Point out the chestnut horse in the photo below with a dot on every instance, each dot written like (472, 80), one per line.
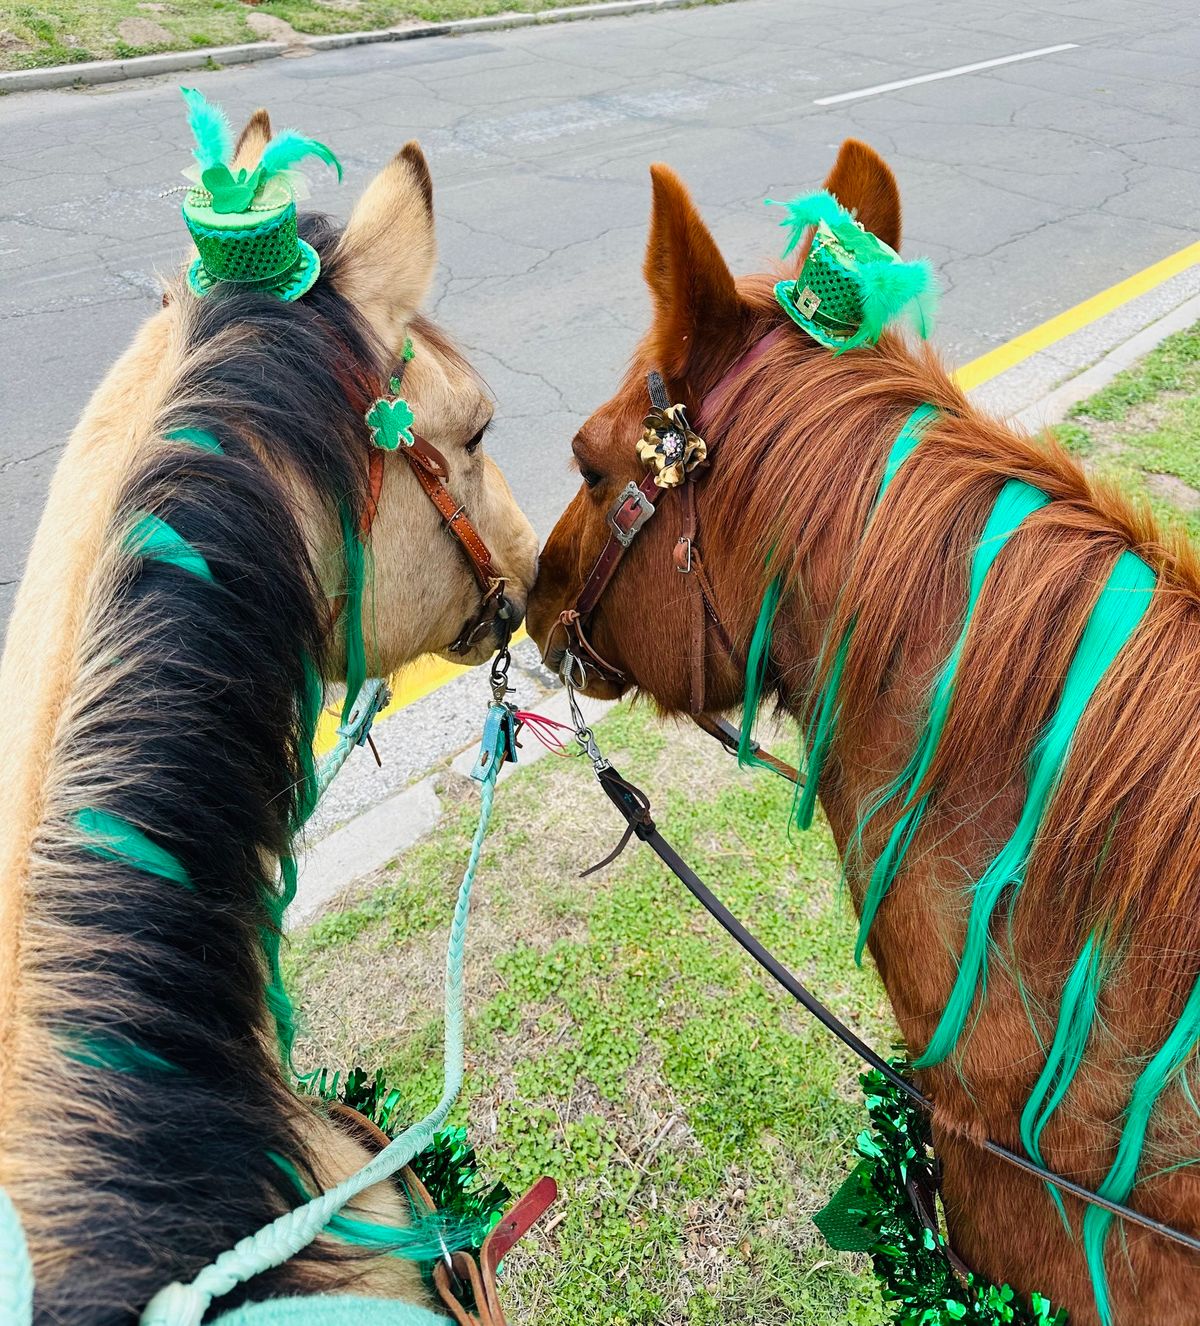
(161, 696)
(1088, 1015)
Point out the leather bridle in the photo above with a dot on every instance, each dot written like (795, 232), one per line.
(431, 470)
(636, 504)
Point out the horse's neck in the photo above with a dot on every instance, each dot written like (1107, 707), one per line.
(163, 702)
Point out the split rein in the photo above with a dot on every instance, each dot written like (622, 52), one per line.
(669, 442)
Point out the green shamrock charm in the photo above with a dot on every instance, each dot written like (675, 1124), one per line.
(390, 423)
(231, 193)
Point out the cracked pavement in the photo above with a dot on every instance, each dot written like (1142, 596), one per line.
(1031, 186)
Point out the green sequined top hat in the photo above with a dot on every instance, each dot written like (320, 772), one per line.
(852, 284)
(244, 225)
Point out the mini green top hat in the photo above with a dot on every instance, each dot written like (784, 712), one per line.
(245, 225)
(852, 284)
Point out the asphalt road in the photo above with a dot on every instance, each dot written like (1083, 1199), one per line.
(1031, 185)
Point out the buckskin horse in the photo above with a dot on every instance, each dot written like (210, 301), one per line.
(188, 593)
(1045, 981)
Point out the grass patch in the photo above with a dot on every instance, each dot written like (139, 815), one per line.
(619, 1041)
(1143, 430)
(63, 31)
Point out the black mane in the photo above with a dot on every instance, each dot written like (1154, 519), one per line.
(189, 725)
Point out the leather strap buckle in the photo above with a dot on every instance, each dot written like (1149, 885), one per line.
(632, 510)
(683, 555)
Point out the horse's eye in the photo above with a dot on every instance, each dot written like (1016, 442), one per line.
(591, 478)
(474, 444)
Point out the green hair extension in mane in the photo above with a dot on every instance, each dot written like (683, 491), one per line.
(757, 659)
(1118, 1183)
(1015, 501)
(355, 554)
(1076, 1016)
(827, 707)
(1119, 608)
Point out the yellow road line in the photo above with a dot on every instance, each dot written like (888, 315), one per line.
(427, 674)
(1020, 348)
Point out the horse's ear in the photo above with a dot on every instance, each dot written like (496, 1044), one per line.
(864, 184)
(696, 305)
(252, 141)
(385, 258)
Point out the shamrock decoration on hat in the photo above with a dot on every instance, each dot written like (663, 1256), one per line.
(852, 284)
(244, 225)
(669, 445)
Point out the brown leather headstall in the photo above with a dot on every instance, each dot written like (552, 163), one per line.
(431, 470)
(465, 1283)
(676, 456)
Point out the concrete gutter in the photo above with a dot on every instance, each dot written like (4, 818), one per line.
(87, 74)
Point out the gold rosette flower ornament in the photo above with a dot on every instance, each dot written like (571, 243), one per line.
(668, 445)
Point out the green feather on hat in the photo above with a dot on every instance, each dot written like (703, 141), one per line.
(244, 224)
(852, 284)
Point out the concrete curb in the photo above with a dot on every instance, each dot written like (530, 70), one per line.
(87, 74)
(142, 66)
(1054, 406)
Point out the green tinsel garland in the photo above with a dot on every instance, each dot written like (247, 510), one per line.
(449, 1169)
(871, 1212)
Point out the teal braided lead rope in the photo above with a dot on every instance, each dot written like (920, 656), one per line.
(16, 1271)
(185, 1305)
(371, 698)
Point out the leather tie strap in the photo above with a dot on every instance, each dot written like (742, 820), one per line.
(474, 1279)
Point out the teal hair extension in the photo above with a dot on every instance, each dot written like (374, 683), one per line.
(1118, 610)
(155, 540)
(196, 437)
(279, 1005)
(356, 653)
(757, 659)
(308, 704)
(1014, 502)
(1118, 1183)
(827, 708)
(427, 1239)
(1077, 1014)
(114, 839)
(114, 1053)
